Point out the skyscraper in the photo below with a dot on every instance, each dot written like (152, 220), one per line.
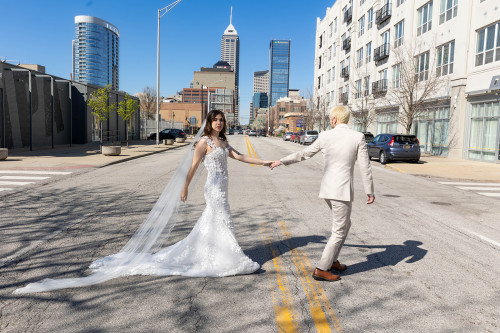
(95, 52)
(279, 58)
(230, 52)
(261, 82)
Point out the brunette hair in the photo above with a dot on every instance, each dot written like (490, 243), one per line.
(208, 125)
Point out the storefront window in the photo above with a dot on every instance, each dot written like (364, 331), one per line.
(431, 129)
(484, 131)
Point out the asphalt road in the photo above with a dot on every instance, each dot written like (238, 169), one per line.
(423, 258)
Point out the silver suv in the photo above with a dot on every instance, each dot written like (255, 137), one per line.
(308, 137)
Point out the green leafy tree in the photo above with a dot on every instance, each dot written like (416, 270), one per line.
(101, 108)
(126, 110)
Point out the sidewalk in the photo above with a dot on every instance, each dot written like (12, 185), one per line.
(80, 156)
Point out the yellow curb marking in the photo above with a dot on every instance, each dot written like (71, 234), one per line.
(394, 168)
(314, 291)
(284, 310)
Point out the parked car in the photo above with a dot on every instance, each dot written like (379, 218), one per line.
(252, 133)
(230, 131)
(394, 147)
(240, 131)
(261, 133)
(168, 133)
(368, 136)
(287, 136)
(308, 137)
(297, 137)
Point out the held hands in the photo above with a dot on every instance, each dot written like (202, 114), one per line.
(275, 164)
(267, 163)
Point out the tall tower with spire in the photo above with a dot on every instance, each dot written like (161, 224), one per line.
(230, 52)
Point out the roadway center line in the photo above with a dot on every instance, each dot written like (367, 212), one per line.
(469, 184)
(248, 147)
(15, 183)
(479, 188)
(286, 316)
(318, 302)
(24, 172)
(23, 178)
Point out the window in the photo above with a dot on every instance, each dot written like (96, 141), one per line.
(361, 24)
(330, 53)
(487, 50)
(360, 58)
(422, 70)
(370, 18)
(367, 85)
(334, 49)
(398, 33)
(396, 76)
(320, 41)
(399, 2)
(335, 24)
(329, 75)
(319, 82)
(319, 62)
(424, 23)
(445, 57)
(382, 75)
(368, 52)
(386, 37)
(448, 10)
(331, 29)
(333, 73)
(332, 97)
(483, 131)
(361, 2)
(358, 93)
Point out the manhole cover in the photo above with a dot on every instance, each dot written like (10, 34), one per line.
(391, 196)
(440, 203)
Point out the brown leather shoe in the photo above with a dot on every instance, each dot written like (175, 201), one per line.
(338, 266)
(320, 275)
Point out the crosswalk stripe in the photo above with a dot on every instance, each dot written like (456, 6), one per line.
(489, 194)
(23, 178)
(15, 183)
(34, 172)
(478, 188)
(6, 189)
(465, 184)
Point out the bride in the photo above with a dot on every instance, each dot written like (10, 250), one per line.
(210, 249)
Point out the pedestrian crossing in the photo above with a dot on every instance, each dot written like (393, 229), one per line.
(486, 189)
(11, 180)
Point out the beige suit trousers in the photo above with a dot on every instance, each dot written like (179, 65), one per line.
(341, 215)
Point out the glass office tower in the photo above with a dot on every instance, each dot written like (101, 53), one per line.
(95, 52)
(279, 58)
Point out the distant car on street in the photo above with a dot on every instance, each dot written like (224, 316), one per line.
(252, 133)
(261, 133)
(368, 136)
(168, 133)
(287, 136)
(240, 131)
(394, 147)
(308, 137)
(297, 137)
(230, 131)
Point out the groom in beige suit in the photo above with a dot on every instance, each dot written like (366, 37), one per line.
(341, 148)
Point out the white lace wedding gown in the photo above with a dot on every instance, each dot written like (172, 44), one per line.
(210, 249)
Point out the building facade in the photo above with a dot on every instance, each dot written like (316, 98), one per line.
(261, 82)
(287, 111)
(365, 51)
(230, 52)
(279, 59)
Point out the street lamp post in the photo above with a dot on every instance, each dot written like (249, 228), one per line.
(160, 15)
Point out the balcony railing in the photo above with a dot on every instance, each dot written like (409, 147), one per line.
(346, 44)
(348, 15)
(381, 52)
(345, 72)
(344, 98)
(383, 13)
(379, 87)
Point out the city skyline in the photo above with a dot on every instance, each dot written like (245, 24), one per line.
(50, 44)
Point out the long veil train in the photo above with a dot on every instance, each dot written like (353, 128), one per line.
(149, 238)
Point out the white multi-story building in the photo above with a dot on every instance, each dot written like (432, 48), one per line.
(261, 82)
(366, 49)
(230, 52)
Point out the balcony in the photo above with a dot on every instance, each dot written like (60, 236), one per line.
(348, 15)
(345, 72)
(346, 44)
(381, 52)
(379, 87)
(383, 13)
(344, 98)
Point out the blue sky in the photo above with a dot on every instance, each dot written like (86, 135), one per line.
(40, 32)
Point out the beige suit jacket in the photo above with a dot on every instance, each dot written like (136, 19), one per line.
(341, 148)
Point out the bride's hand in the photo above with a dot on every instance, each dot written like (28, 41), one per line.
(184, 195)
(267, 163)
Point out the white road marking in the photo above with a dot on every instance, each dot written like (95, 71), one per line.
(15, 183)
(491, 241)
(470, 183)
(23, 178)
(6, 189)
(478, 188)
(489, 194)
(34, 172)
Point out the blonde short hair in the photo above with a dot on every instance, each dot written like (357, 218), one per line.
(341, 112)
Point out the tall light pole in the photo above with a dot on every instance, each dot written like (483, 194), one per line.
(160, 15)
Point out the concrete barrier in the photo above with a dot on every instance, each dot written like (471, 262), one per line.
(111, 150)
(168, 141)
(4, 153)
(180, 140)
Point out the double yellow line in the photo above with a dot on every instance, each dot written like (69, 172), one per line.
(251, 150)
(320, 308)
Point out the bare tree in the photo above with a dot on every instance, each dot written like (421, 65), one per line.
(317, 110)
(363, 103)
(148, 102)
(416, 86)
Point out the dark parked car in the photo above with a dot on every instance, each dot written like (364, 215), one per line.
(308, 137)
(240, 131)
(168, 133)
(394, 147)
(368, 136)
(230, 131)
(261, 133)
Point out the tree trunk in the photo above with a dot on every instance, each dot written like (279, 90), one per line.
(100, 139)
